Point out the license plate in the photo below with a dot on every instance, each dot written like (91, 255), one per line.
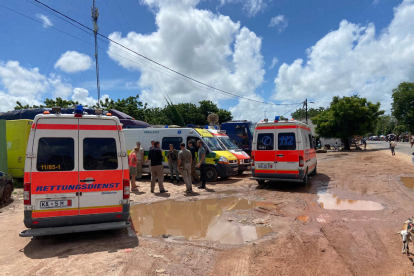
(249, 167)
(55, 203)
(265, 166)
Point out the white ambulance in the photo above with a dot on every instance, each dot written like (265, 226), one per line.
(283, 151)
(76, 175)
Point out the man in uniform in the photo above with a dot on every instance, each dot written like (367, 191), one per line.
(172, 157)
(194, 175)
(157, 169)
(202, 163)
(140, 158)
(184, 165)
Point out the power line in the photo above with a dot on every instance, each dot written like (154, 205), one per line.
(157, 63)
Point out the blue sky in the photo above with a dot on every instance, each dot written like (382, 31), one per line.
(346, 47)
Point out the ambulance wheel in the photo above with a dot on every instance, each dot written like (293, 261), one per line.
(305, 179)
(211, 174)
(6, 193)
(314, 171)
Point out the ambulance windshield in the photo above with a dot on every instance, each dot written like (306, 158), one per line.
(212, 143)
(227, 142)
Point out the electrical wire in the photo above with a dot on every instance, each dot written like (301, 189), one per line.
(155, 62)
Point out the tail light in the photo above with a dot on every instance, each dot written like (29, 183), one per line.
(26, 194)
(126, 189)
(252, 160)
(301, 161)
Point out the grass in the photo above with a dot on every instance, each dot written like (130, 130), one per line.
(18, 183)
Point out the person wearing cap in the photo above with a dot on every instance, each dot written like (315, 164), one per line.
(132, 160)
(140, 159)
(184, 166)
(172, 157)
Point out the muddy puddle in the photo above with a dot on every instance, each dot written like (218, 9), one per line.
(333, 202)
(408, 182)
(197, 220)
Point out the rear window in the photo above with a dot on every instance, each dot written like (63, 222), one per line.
(99, 154)
(265, 141)
(166, 141)
(55, 154)
(286, 141)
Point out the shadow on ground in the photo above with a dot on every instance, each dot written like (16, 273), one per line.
(63, 246)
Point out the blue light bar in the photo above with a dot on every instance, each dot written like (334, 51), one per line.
(79, 109)
(277, 118)
(206, 126)
(166, 126)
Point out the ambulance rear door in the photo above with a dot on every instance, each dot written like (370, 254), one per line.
(287, 153)
(264, 156)
(54, 170)
(100, 167)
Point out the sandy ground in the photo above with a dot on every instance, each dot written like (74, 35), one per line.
(307, 239)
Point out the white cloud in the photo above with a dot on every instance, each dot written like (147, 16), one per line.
(274, 62)
(251, 7)
(46, 21)
(205, 46)
(352, 59)
(72, 62)
(81, 95)
(279, 22)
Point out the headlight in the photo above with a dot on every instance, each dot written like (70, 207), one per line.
(245, 154)
(223, 159)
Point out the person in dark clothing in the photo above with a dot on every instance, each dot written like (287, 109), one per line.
(194, 176)
(202, 163)
(157, 169)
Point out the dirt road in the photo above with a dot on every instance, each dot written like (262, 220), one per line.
(343, 223)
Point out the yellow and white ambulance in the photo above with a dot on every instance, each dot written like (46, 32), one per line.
(76, 176)
(219, 162)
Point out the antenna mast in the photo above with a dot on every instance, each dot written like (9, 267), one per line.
(95, 15)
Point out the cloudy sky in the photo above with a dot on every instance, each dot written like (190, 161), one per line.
(275, 51)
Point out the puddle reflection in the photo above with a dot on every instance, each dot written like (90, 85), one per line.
(197, 220)
(333, 202)
(408, 182)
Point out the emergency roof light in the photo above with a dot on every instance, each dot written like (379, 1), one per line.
(206, 126)
(98, 111)
(266, 120)
(46, 112)
(78, 110)
(166, 126)
(277, 118)
(57, 109)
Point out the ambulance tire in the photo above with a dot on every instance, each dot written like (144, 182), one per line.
(314, 171)
(305, 180)
(6, 193)
(211, 174)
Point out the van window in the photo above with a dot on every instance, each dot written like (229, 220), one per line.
(286, 141)
(212, 143)
(166, 141)
(265, 141)
(99, 154)
(55, 154)
(310, 141)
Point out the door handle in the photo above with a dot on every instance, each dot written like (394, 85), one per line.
(279, 155)
(87, 180)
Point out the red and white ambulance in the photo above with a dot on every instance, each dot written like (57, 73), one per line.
(243, 159)
(283, 151)
(76, 175)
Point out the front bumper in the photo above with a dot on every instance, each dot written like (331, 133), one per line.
(245, 167)
(226, 170)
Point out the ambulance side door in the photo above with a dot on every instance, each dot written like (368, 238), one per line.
(100, 167)
(54, 170)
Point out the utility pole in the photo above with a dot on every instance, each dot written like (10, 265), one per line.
(95, 15)
(305, 104)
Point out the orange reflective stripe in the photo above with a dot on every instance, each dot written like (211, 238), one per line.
(100, 210)
(287, 171)
(265, 127)
(97, 127)
(53, 213)
(57, 126)
(126, 174)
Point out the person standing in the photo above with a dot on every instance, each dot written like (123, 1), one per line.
(157, 169)
(365, 144)
(172, 157)
(140, 158)
(132, 160)
(412, 141)
(393, 144)
(194, 176)
(202, 163)
(184, 165)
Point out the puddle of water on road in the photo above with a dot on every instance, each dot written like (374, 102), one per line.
(408, 182)
(197, 220)
(333, 202)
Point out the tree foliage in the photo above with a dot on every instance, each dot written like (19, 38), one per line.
(402, 106)
(48, 103)
(301, 113)
(385, 125)
(346, 117)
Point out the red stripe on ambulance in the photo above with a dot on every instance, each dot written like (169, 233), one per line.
(57, 126)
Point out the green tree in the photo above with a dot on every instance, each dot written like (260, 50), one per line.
(131, 106)
(400, 129)
(346, 117)
(385, 125)
(301, 113)
(59, 102)
(402, 106)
